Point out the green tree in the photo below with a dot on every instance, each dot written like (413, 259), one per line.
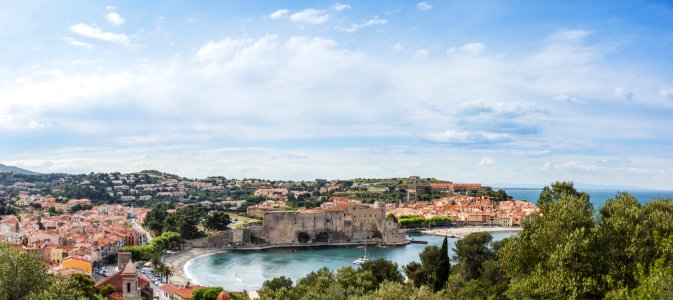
(107, 290)
(83, 284)
(471, 252)
(557, 254)
(559, 189)
(277, 283)
(383, 270)
(355, 282)
(209, 293)
(217, 220)
(21, 274)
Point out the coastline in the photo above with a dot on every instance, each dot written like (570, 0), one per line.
(178, 260)
(461, 232)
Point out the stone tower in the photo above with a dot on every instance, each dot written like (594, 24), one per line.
(130, 282)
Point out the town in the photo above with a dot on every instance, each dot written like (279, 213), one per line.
(93, 224)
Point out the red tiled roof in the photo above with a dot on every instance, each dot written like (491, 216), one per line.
(182, 291)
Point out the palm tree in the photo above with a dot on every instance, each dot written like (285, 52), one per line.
(164, 271)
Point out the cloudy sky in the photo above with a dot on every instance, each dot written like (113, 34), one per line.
(500, 92)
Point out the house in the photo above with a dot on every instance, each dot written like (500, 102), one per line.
(177, 292)
(129, 284)
(76, 262)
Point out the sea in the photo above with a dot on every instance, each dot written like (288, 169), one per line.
(596, 196)
(238, 271)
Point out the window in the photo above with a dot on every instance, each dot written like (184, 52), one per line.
(128, 287)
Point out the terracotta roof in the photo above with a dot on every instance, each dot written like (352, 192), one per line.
(223, 296)
(129, 269)
(182, 291)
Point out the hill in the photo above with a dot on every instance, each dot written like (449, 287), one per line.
(16, 170)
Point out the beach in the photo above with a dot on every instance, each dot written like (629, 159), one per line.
(178, 260)
(460, 232)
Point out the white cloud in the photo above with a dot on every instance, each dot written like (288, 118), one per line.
(469, 49)
(486, 161)
(398, 47)
(569, 35)
(623, 93)
(566, 98)
(97, 33)
(309, 16)
(423, 6)
(37, 125)
(464, 136)
(255, 89)
(668, 93)
(114, 18)
(279, 14)
(77, 43)
(371, 22)
(341, 6)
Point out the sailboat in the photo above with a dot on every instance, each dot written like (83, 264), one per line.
(364, 259)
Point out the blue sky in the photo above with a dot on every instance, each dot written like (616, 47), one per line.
(500, 92)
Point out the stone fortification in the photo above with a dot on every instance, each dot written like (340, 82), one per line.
(339, 221)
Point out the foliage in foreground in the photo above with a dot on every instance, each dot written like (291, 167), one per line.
(567, 251)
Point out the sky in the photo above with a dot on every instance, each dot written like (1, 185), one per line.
(498, 92)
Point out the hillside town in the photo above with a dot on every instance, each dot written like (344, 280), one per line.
(80, 224)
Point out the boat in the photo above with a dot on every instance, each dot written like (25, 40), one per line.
(364, 259)
(361, 260)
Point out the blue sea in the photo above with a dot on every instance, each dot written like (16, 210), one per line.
(597, 196)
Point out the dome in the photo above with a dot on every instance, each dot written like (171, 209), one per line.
(223, 296)
(129, 269)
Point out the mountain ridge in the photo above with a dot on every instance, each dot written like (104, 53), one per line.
(17, 170)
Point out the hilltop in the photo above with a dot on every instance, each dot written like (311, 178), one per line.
(11, 169)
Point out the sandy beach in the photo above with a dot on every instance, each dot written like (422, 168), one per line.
(461, 232)
(178, 260)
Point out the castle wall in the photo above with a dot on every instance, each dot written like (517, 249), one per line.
(354, 223)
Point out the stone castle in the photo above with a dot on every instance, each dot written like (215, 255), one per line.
(337, 222)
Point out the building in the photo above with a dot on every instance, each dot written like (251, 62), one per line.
(129, 284)
(178, 292)
(338, 221)
(78, 263)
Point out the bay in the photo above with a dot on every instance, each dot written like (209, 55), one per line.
(236, 271)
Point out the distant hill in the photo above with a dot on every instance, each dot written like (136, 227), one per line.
(16, 170)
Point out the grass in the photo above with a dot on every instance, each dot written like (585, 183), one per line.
(246, 220)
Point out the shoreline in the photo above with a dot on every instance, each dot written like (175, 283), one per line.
(178, 260)
(461, 232)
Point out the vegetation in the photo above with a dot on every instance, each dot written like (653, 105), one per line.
(184, 221)
(567, 251)
(23, 276)
(166, 241)
(407, 221)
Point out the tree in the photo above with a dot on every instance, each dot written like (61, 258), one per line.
(558, 190)
(21, 274)
(217, 220)
(557, 254)
(107, 290)
(209, 293)
(83, 284)
(471, 252)
(355, 282)
(277, 283)
(383, 270)
(445, 266)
